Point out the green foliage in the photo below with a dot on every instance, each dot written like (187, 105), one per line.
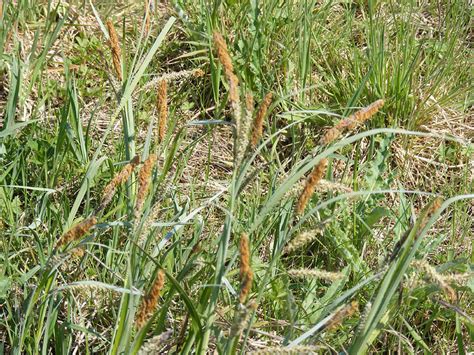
(68, 127)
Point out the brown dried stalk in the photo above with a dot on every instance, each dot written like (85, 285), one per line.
(258, 123)
(144, 179)
(313, 179)
(246, 274)
(78, 231)
(147, 17)
(162, 106)
(118, 180)
(149, 302)
(115, 47)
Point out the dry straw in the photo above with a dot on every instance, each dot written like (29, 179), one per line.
(147, 17)
(344, 312)
(162, 106)
(118, 180)
(115, 47)
(352, 121)
(144, 179)
(314, 273)
(301, 240)
(246, 274)
(149, 302)
(258, 124)
(78, 231)
(310, 185)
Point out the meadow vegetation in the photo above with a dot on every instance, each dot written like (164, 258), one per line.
(226, 176)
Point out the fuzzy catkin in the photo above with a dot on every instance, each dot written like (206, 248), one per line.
(246, 274)
(242, 318)
(435, 206)
(301, 240)
(310, 185)
(78, 231)
(154, 345)
(234, 95)
(258, 123)
(436, 278)
(314, 273)
(118, 180)
(115, 47)
(351, 122)
(364, 114)
(244, 133)
(345, 312)
(162, 106)
(224, 57)
(144, 179)
(149, 302)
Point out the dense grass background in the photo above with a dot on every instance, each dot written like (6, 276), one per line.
(68, 125)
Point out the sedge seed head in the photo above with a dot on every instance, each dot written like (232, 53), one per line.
(246, 274)
(115, 47)
(258, 124)
(310, 185)
(149, 302)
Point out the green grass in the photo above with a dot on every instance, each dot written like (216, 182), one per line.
(68, 126)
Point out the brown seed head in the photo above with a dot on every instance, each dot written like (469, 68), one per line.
(363, 115)
(345, 312)
(246, 274)
(115, 47)
(351, 122)
(331, 135)
(432, 209)
(258, 123)
(144, 178)
(313, 179)
(118, 180)
(78, 231)
(224, 58)
(223, 53)
(162, 106)
(149, 302)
